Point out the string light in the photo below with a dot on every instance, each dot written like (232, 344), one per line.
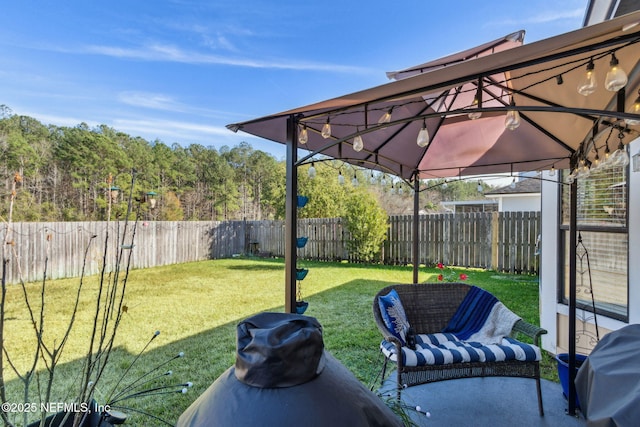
(635, 109)
(326, 130)
(340, 178)
(616, 78)
(303, 135)
(358, 144)
(479, 187)
(372, 180)
(512, 121)
(423, 135)
(588, 83)
(312, 171)
(552, 172)
(513, 183)
(476, 103)
(354, 181)
(386, 117)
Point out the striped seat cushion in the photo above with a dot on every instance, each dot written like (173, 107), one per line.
(445, 348)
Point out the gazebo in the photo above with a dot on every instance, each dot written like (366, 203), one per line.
(502, 107)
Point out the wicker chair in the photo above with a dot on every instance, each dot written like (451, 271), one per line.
(428, 307)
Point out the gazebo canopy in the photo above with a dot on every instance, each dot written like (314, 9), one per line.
(538, 80)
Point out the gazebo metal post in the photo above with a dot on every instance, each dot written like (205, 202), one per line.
(414, 231)
(291, 217)
(573, 227)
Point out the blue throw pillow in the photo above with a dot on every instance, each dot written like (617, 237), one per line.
(393, 315)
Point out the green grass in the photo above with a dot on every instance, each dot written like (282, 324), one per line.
(197, 306)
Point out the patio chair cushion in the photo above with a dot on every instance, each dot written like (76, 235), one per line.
(445, 348)
(393, 315)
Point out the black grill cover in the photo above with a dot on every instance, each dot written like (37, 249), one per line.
(608, 382)
(284, 376)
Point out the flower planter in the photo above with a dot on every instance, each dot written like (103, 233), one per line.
(301, 242)
(563, 372)
(301, 306)
(301, 273)
(302, 201)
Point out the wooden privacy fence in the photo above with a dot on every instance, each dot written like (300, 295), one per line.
(503, 241)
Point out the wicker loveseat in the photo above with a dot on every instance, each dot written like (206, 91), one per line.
(429, 308)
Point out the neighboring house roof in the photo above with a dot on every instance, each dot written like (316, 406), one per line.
(525, 186)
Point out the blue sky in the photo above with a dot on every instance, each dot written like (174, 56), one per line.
(179, 70)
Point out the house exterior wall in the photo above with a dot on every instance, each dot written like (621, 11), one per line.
(554, 315)
(519, 203)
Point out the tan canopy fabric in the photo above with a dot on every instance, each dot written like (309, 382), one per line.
(541, 78)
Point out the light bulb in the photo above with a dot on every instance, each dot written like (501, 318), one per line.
(340, 178)
(400, 190)
(588, 83)
(512, 121)
(596, 163)
(479, 188)
(552, 172)
(635, 109)
(358, 144)
(386, 118)
(383, 181)
(475, 114)
(393, 189)
(326, 130)
(616, 78)
(354, 181)
(303, 135)
(513, 184)
(444, 184)
(620, 156)
(423, 136)
(312, 171)
(372, 180)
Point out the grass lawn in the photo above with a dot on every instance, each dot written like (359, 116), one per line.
(196, 306)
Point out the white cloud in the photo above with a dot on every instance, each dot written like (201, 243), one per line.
(171, 53)
(543, 17)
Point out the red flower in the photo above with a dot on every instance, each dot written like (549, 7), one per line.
(440, 266)
(440, 277)
(463, 276)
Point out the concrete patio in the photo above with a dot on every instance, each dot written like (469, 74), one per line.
(491, 401)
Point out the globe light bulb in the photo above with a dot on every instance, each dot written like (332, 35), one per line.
(372, 180)
(588, 83)
(340, 178)
(512, 121)
(312, 171)
(423, 136)
(635, 109)
(354, 181)
(616, 78)
(303, 135)
(326, 130)
(552, 172)
(358, 144)
(475, 114)
(386, 118)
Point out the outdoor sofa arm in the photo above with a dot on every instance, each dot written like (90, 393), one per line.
(532, 331)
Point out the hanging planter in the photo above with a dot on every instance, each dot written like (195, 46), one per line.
(301, 242)
(301, 306)
(302, 201)
(301, 273)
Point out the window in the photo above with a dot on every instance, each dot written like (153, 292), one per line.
(603, 244)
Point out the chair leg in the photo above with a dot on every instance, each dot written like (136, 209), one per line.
(539, 390)
(384, 370)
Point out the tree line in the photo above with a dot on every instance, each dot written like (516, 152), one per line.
(71, 174)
